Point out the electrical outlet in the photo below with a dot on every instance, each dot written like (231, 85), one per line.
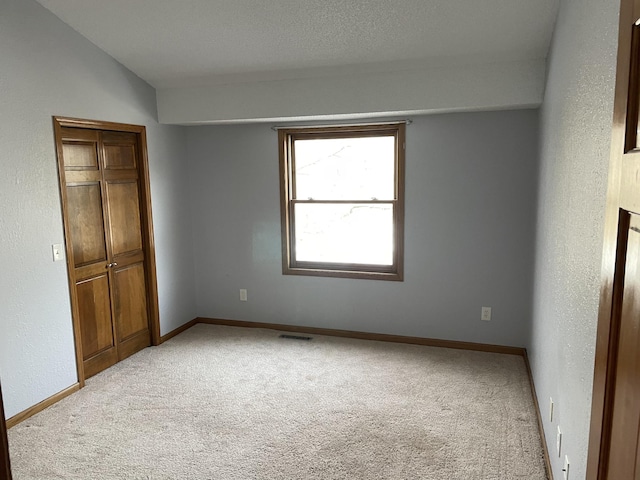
(485, 315)
(565, 470)
(243, 294)
(550, 409)
(559, 441)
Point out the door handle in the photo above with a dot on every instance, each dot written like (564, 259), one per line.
(111, 265)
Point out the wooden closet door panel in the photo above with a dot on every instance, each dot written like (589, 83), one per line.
(626, 408)
(82, 155)
(95, 316)
(84, 204)
(105, 194)
(130, 301)
(120, 156)
(88, 238)
(124, 217)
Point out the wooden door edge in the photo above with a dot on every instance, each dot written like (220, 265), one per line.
(5, 460)
(150, 246)
(602, 362)
(58, 123)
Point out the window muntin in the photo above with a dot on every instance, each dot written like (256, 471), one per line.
(342, 198)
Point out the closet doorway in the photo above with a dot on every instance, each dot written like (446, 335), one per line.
(106, 204)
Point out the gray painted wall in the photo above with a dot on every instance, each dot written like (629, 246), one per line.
(470, 219)
(470, 230)
(576, 119)
(48, 69)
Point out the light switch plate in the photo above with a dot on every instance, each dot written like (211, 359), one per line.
(57, 251)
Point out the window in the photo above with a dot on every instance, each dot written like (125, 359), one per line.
(342, 201)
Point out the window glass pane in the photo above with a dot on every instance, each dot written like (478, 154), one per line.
(344, 233)
(345, 168)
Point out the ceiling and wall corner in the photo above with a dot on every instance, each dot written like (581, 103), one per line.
(441, 89)
(247, 61)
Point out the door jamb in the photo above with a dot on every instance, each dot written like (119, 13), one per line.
(612, 266)
(5, 462)
(146, 223)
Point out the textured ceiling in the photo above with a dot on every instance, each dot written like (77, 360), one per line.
(187, 42)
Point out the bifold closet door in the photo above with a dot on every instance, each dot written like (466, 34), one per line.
(102, 208)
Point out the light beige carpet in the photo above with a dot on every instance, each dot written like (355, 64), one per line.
(230, 403)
